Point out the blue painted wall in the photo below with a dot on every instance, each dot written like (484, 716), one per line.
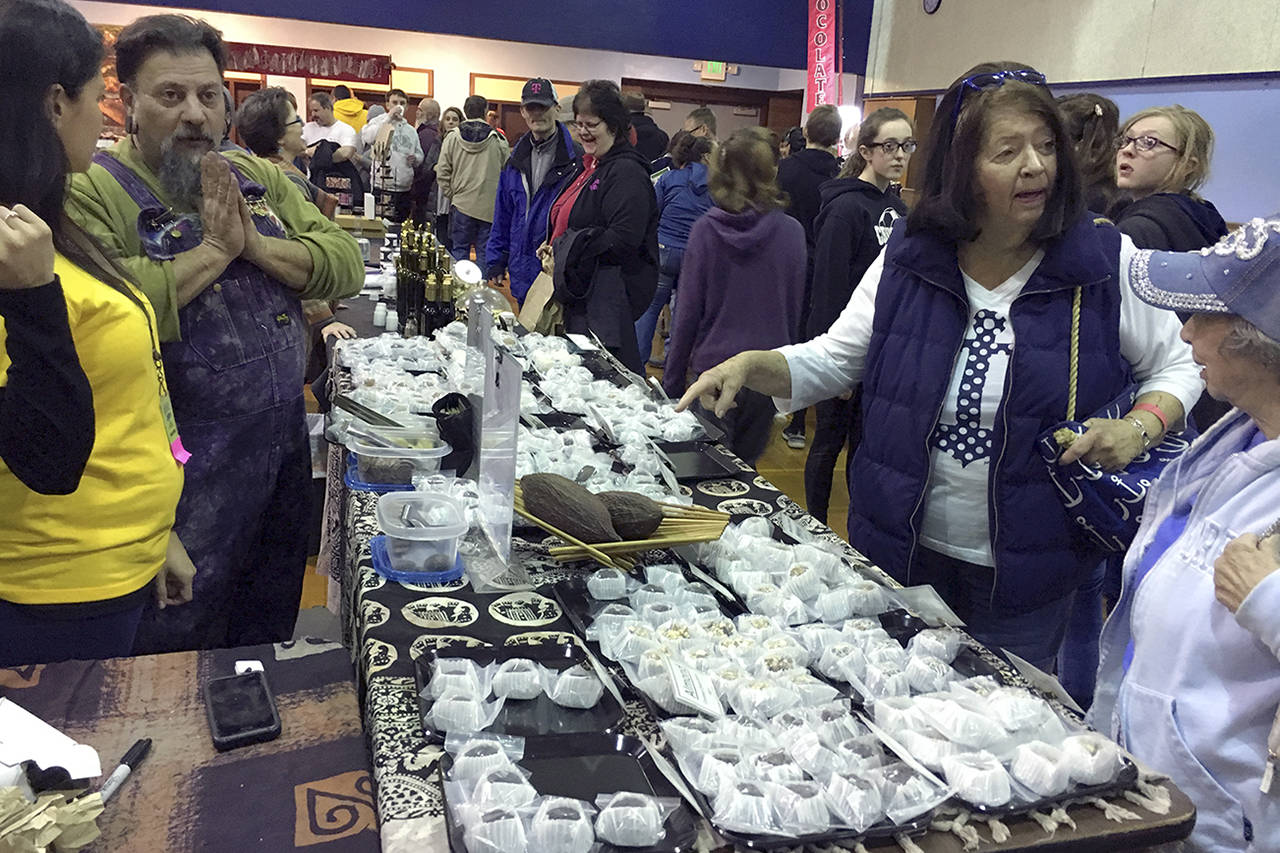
(751, 32)
(1244, 112)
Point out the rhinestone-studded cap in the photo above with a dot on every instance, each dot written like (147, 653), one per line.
(1240, 274)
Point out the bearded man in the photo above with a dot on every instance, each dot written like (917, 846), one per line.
(225, 248)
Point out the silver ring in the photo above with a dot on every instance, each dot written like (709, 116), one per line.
(10, 215)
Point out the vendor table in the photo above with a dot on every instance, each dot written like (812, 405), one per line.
(308, 789)
(390, 625)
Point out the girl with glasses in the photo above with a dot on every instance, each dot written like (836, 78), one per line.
(1162, 159)
(960, 335)
(859, 207)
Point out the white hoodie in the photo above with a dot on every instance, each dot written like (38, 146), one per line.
(1200, 696)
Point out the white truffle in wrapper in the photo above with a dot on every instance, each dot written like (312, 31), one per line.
(867, 598)
(958, 724)
(629, 642)
(926, 748)
(887, 680)
(978, 778)
(718, 768)
(928, 674)
(505, 786)
(630, 820)
(459, 712)
(1018, 710)
(832, 664)
(561, 825)
(476, 759)
(518, 678)
(1040, 767)
(1090, 758)
(776, 766)
(856, 802)
(648, 594)
(745, 807)
(576, 688)
(763, 699)
(886, 654)
(457, 676)
(714, 627)
(607, 584)
(803, 582)
(801, 808)
(756, 625)
(687, 734)
(940, 643)
(497, 830)
(835, 605)
(808, 751)
(899, 713)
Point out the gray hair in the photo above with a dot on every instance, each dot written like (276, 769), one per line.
(1245, 340)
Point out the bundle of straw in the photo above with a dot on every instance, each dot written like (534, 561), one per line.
(681, 525)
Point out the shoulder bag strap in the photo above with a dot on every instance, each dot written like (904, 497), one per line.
(1073, 369)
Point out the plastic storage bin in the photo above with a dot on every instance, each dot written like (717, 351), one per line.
(412, 450)
(423, 530)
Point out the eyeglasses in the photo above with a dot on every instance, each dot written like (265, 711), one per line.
(994, 80)
(891, 146)
(296, 120)
(592, 126)
(1143, 143)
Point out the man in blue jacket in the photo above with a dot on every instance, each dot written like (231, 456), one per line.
(539, 167)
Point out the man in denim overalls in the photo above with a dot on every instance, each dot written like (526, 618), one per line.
(225, 248)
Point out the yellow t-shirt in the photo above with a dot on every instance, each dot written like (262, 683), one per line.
(107, 538)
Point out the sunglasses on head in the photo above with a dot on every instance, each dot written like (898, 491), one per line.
(993, 80)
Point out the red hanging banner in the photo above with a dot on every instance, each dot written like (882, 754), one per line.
(305, 62)
(823, 46)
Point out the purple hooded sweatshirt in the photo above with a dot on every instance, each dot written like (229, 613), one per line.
(741, 286)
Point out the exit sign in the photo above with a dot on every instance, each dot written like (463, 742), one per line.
(713, 70)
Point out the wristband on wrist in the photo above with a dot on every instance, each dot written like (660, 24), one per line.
(1155, 410)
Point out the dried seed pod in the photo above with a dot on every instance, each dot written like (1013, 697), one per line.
(568, 506)
(634, 516)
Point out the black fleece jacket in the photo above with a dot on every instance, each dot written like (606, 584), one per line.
(852, 226)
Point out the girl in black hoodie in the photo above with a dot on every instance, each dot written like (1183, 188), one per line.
(859, 207)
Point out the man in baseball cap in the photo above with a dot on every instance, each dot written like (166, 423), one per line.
(541, 163)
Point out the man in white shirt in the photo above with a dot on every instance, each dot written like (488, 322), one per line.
(395, 152)
(323, 126)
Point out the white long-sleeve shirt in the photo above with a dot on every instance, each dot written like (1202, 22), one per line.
(955, 520)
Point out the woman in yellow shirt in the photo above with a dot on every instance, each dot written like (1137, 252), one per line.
(89, 458)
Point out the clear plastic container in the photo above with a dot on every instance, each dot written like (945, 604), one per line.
(393, 456)
(423, 530)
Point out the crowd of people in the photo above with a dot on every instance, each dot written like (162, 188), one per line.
(157, 298)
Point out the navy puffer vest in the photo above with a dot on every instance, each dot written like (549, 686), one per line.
(921, 316)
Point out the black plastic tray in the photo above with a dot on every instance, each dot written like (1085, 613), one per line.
(697, 460)
(583, 766)
(527, 718)
(884, 829)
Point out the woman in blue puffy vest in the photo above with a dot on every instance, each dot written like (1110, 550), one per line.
(959, 333)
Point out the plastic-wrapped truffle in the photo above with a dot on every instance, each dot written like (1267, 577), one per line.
(856, 802)
(458, 712)
(978, 778)
(630, 820)
(1090, 758)
(803, 582)
(801, 808)
(562, 825)
(518, 678)
(1040, 767)
(477, 758)
(776, 766)
(576, 688)
(717, 768)
(497, 830)
(687, 733)
(607, 584)
(928, 674)
(505, 786)
(745, 807)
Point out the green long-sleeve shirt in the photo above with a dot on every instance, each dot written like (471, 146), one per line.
(99, 205)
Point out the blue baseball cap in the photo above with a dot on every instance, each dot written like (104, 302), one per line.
(1240, 274)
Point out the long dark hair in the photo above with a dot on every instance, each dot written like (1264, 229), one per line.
(44, 43)
(948, 205)
(856, 164)
(1093, 122)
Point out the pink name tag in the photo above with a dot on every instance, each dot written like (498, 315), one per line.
(179, 452)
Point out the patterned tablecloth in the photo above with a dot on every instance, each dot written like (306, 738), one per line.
(308, 789)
